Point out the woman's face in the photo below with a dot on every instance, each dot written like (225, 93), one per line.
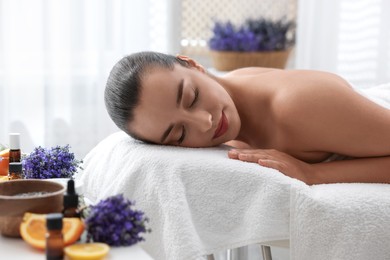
(184, 107)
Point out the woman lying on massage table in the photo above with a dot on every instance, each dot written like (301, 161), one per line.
(289, 120)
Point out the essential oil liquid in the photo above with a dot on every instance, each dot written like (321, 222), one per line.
(14, 145)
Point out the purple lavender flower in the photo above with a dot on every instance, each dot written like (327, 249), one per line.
(227, 37)
(113, 221)
(55, 162)
(253, 35)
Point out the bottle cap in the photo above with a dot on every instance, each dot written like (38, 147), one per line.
(14, 141)
(71, 199)
(15, 167)
(54, 221)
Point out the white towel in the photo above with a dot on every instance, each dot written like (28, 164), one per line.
(198, 200)
(340, 222)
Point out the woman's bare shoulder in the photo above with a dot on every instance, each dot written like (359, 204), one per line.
(325, 114)
(250, 71)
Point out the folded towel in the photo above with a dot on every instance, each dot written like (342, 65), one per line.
(198, 200)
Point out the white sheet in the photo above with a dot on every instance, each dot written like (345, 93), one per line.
(199, 202)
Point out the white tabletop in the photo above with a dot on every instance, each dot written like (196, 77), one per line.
(17, 249)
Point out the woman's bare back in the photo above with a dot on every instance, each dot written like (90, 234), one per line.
(307, 114)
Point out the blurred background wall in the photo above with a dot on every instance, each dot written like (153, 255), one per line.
(55, 55)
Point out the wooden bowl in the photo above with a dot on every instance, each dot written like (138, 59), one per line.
(20, 196)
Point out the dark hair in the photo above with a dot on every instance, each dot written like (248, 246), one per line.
(123, 86)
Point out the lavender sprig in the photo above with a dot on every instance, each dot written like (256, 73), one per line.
(252, 35)
(114, 222)
(55, 162)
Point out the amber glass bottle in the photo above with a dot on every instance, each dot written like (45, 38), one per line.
(15, 171)
(71, 201)
(54, 237)
(14, 145)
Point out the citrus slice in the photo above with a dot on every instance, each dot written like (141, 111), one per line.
(91, 251)
(4, 162)
(33, 229)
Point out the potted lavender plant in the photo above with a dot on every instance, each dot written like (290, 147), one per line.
(261, 42)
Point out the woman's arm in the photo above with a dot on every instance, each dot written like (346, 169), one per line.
(238, 144)
(367, 170)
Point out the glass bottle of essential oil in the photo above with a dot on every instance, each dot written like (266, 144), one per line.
(14, 145)
(54, 237)
(15, 171)
(71, 201)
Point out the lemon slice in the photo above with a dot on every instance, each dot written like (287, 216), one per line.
(88, 251)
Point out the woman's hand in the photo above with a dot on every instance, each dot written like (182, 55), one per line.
(280, 161)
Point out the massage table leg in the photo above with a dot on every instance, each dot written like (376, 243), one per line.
(266, 251)
(210, 257)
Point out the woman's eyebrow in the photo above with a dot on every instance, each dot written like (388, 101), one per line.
(179, 93)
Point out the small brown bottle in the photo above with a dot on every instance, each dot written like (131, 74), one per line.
(71, 201)
(54, 237)
(14, 145)
(15, 171)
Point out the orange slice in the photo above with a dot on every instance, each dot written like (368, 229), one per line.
(4, 162)
(33, 229)
(91, 251)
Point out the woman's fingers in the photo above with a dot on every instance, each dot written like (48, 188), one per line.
(277, 160)
(248, 157)
(277, 165)
(252, 155)
(250, 151)
(232, 154)
(256, 151)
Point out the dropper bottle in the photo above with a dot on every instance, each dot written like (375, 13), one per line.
(54, 237)
(71, 201)
(14, 145)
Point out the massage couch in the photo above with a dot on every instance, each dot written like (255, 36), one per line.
(200, 202)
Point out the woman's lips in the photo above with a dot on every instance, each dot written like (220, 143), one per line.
(222, 126)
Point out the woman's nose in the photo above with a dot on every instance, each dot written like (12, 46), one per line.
(203, 120)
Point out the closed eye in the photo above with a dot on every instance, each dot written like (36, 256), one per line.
(183, 134)
(195, 98)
